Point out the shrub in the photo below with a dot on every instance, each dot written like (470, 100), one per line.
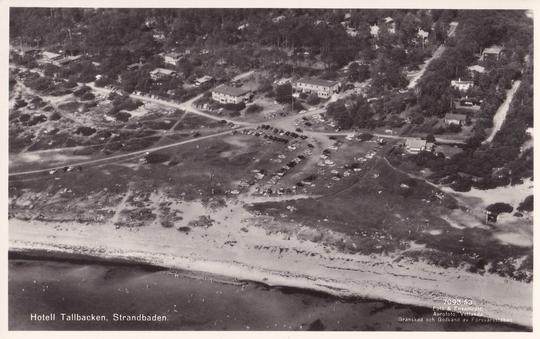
(235, 107)
(123, 116)
(454, 128)
(500, 207)
(253, 109)
(461, 184)
(88, 96)
(527, 204)
(81, 91)
(365, 136)
(184, 229)
(156, 158)
(298, 106)
(37, 120)
(24, 117)
(86, 131)
(313, 99)
(71, 106)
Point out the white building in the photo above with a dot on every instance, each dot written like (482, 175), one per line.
(230, 95)
(323, 88)
(462, 85)
(172, 58)
(455, 119)
(50, 56)
(415, 146)
(203, 80)
(374, 31)
(160, 73)
(476, 69)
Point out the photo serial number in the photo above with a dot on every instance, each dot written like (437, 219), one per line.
(458, 301)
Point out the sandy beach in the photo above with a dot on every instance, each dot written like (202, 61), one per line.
(236, 247)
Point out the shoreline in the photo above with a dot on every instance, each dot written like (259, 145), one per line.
(320, 269)
(88, 259)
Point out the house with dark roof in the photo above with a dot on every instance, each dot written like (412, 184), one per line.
(455, 119)
(492, 53)
(323, 88)
(230, 95)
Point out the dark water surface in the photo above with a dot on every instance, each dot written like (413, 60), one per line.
(44, 285)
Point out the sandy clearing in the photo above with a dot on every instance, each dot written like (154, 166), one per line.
(500, 115)
(517, 239)
(512, 195)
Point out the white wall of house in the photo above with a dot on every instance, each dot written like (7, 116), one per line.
(321, 91)
(229, 99)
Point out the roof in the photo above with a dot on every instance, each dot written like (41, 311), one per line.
(162, 71)
(68, 59)
(462, 82)
(204, 78)
(51, 55)
(454, 116)
(374, 30)
(317, 82)
(476, 68)
(228, 90)
(493, 49)
(415, 143)
(423, 34)
(174, 55)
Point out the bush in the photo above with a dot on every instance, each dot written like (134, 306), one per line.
(297, 106)
(70, 106)
(184, 229)
(313, 99)
(253, 109)
(81, 91)
(55, 116)
(454, 128)
(461, 184)
(527, 204)
(102, 82)
(123, 116)
(365, 136)
(235, 107)
(500, 207)
(156, 158)
(124, 103)
(88, 96)
(417, 120)
(37, 120)
(24, 117)
(20, 103)
(59, 92)
(86, 131)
